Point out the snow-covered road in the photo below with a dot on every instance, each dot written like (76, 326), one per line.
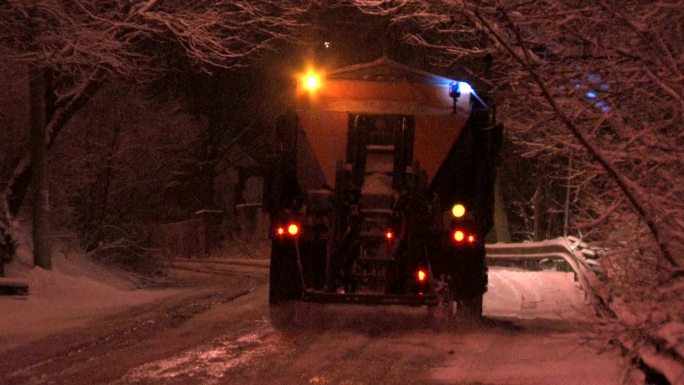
(224, 335)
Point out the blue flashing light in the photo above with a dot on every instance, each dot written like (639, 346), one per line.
(457, 88)
(591, 95)
(594, 78)
(603, 106)
(464, 88)
(454, 91)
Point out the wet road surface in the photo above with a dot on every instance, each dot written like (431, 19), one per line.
(224, 333)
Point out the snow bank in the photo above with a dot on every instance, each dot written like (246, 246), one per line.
(534, 295)
(73, 293)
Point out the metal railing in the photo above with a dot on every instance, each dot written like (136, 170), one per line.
(580, 257)
(660, 354)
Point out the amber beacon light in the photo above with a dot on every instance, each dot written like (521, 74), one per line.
(311, 80)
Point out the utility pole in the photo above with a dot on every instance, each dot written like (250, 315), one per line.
(40, 197)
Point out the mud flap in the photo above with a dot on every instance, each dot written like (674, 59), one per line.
(285, 282)
(313, 258)
(469, 284)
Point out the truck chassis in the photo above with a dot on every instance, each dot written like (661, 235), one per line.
(383, 234)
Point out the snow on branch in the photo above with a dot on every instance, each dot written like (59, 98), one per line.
(117, 37)
(83, 43)
(604, 75)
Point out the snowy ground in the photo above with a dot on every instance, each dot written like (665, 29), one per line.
(75, 292)
(80, 324)
(78, 291)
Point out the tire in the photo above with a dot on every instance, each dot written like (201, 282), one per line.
(441, 315)
(283, 315)
(285, 283)
(469, 310)
(470, 286)
(313, 256)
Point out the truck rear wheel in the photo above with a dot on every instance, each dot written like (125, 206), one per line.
(470, 286)
(441, 314)
(285, 283)
(313, 257)
(469, 310)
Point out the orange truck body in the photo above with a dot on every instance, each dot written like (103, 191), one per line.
(379, 87)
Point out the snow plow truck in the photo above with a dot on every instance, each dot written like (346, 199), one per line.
(380, 189)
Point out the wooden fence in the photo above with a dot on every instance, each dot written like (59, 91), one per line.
(197, 237)
(204, 234)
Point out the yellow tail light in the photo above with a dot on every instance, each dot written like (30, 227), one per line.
(458, 210)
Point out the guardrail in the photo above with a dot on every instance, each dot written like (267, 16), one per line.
(570, 249)
(580, 257)
(662, 354)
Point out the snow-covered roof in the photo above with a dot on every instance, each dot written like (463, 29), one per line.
(385, 69)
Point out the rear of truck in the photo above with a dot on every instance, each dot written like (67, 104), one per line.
(380, 189)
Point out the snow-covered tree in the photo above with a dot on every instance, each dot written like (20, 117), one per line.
(604, 79)
(75, 46)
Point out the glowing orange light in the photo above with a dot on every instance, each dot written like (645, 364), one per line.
(293, 229)
(459, 236)
(471, 238)
(312, 81)
(389, 235)
(458, 210)
(280, 231)
(421, 275)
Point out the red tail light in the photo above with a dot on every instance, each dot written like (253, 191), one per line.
(389, 235)
(421, 275)
(459, 236)
(293, 229)
(471, 238)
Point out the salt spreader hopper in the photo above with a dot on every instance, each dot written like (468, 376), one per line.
(380, 189)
